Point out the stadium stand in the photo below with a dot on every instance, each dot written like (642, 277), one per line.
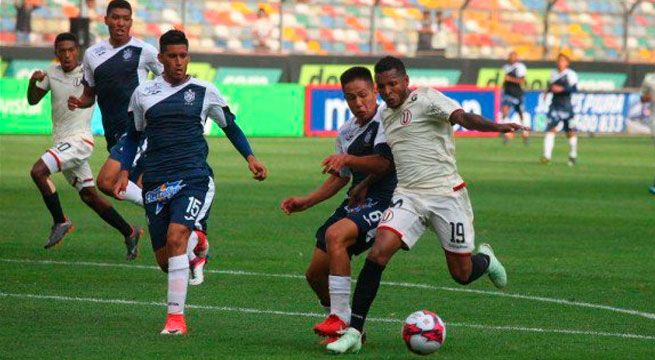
(589, 30)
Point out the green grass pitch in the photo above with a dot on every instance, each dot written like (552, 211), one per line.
(578, 244)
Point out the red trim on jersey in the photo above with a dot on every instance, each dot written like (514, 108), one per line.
(88, 142)
(457, 254)
(56, 158)
(459, 187)
(387, 227)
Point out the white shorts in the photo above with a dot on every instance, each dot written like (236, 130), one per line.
(72, 159)
(449, 216)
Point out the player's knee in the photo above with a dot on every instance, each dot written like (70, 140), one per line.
(38, 173)
(334, 239)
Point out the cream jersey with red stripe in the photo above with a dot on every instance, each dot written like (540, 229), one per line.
(67, 124)
(420, 135)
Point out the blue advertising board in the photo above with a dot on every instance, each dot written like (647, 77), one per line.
(326, 109)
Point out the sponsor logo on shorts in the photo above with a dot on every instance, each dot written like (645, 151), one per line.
(163, 193)
(406, 117)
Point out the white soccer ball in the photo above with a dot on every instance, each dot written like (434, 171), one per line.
(424, 332)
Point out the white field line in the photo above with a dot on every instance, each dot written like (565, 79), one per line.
(642, 314)
(317, 315)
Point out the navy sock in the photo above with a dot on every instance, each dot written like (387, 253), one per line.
(53, 205)
(113, 218)
(480, 265)
(365, 292)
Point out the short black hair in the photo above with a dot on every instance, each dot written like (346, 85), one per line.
(356, 73)
(66, 36)
(172, 37)
(390, 63)
(118, 4)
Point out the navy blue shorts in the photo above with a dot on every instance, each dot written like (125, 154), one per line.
(513, 103)
(565, 116)
(116, 153)
(186, 202)
(366, 218)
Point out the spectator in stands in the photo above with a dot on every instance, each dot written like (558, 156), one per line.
(431, 38)
(262, 31)
(24, 10)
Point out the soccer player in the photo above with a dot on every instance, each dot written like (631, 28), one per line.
(648, 96)
(178, 188)
(430, 193)
(361, 149)
(563, 82)
(73, 145)
(112, 70)
(515, 72)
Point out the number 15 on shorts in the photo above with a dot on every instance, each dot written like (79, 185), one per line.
(192, 209)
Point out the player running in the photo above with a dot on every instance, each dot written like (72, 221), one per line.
(430, 193)
(515, 72)
(73, 145)
(361, 149)
(112, 70)
(177, 181)
(648, 96)
(563, 82)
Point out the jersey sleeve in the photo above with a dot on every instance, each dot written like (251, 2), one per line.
(88, 71)
(439, 106)
(648, 85)
(521, 71)
(380, 145)
(572, 79)
(45, 83)
(213, 106)
(136, 110)
(339, 149)
(151, 62)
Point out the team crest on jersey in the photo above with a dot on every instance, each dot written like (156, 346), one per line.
(127, 54)
(163, 193)
(368, 136)
(189, 96)
(406, 117)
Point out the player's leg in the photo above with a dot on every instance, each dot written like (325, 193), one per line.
(108, 175)
(525, 134)
(571, 134)
(49, 163)
(505, 108)
(549, 136)
(178, 278)
(317, 274)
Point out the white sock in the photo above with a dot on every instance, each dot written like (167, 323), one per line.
(549, 144)
(573, 145)
(340, 296)
(178, 278)
(133, 194)
(191, 244)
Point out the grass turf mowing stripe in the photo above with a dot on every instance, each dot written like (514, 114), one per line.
(317, 315)
(643, 314)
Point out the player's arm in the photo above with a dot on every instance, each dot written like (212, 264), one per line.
(646, 94)
(135, 127)
(369, 164)
(513, 79)
(477, 122)
(329, 188)
(88, 97)
(38, 87)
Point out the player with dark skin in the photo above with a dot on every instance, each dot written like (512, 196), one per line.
(119, 23)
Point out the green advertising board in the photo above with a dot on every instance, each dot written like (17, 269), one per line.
(16, 115)
(273, 110)
(202, 71)
(3, 67)
(537, 79)
(247, 76)
(22, 69)
(329, 74)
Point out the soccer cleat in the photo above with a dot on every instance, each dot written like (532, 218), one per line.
(330, 326)
(132, 241)
(57, 233)
(329, 340)
(572, 161)
(350, 341)
(545, 160)
(202, 247)
(496, 270)
(652, 189)
(175, 325)
(197, 266)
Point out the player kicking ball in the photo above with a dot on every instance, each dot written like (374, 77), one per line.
(178, 188)
(73, 144)
(361, 150)
(430, 193)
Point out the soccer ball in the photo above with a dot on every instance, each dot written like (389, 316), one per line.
(424, 332)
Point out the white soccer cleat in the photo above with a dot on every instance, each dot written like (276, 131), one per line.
(496, 270)
(197, 271)
(350, 341)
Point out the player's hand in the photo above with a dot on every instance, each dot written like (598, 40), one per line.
(121, 184)
(74, 103)
(257, 169)
(334, 163)
(38, 76)
(294, 204)
(357, 196)
(511, 127)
